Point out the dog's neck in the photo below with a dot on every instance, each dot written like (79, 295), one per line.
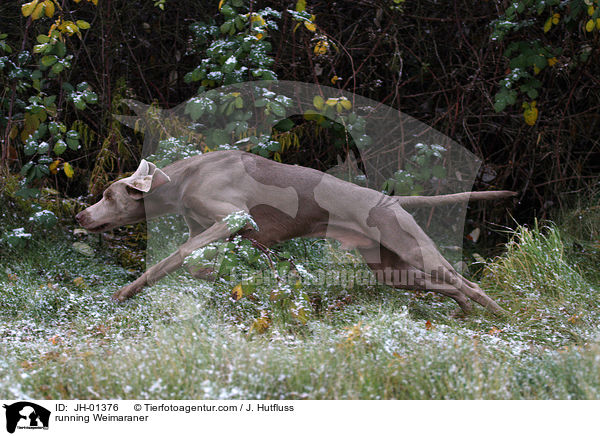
(162, 200)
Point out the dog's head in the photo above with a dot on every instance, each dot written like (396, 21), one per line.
(122, 203)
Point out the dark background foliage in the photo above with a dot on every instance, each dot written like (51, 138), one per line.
(434, 60)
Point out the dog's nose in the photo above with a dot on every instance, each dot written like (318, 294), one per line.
(79, 217)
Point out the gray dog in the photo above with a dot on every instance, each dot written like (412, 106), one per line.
(286, 202)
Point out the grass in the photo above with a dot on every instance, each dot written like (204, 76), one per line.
(61, 336)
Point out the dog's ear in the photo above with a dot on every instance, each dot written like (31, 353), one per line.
(146, 178)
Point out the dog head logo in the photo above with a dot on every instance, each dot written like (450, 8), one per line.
(26, 415)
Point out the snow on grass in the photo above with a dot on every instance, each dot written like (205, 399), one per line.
(61, 336)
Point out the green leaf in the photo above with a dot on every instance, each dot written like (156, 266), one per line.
(532, 93)
(59, 147)
(225, 27)
(43, 149)
(61, 49)
(195, 110)
(540, 62)
(26, 168)
(79, 102)
(83, 248)
(31, 147)
(44, 218)
(49, 60)
(500, 104)
(91, 97)
(27, 192)
(274, 146)
(72, 134)
(73, 144)
(277, 109)
(261, 102)
(227, 11)
(439, 171)
(284, 125)
(220, 137)
(49, 100)
(82, 24)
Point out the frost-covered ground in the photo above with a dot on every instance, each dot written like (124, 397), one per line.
(62, 337)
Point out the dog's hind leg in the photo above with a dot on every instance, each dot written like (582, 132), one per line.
(475, 293)
(391, 270)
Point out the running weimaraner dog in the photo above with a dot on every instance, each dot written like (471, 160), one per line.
(286, 202)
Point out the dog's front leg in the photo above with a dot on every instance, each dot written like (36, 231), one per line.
(217, 231)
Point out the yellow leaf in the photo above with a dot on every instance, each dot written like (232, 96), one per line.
(591, 10)
(28, 8)
(321, 47)
(79, 281)
(14, 131)
(555, 18)
(552, 61)
(49, 8)
(38, 11)
(237, 292)
(530, 114)
(318, 102)
(257, 18)
(300, 5)
(310, 26)
(259, 36)
(346, 103)
(261, 324)
(597, 23)
(68, 169)
(334, 79)
(53, 167)
(95, 2)
(82, 24)
(547, 25)
(331, 101)
(221, 4)
(589, 26)
(536, 69)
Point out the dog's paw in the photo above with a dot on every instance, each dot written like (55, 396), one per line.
(125, 293)
(117, 297)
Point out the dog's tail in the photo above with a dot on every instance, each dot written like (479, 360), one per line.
(438, 200)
